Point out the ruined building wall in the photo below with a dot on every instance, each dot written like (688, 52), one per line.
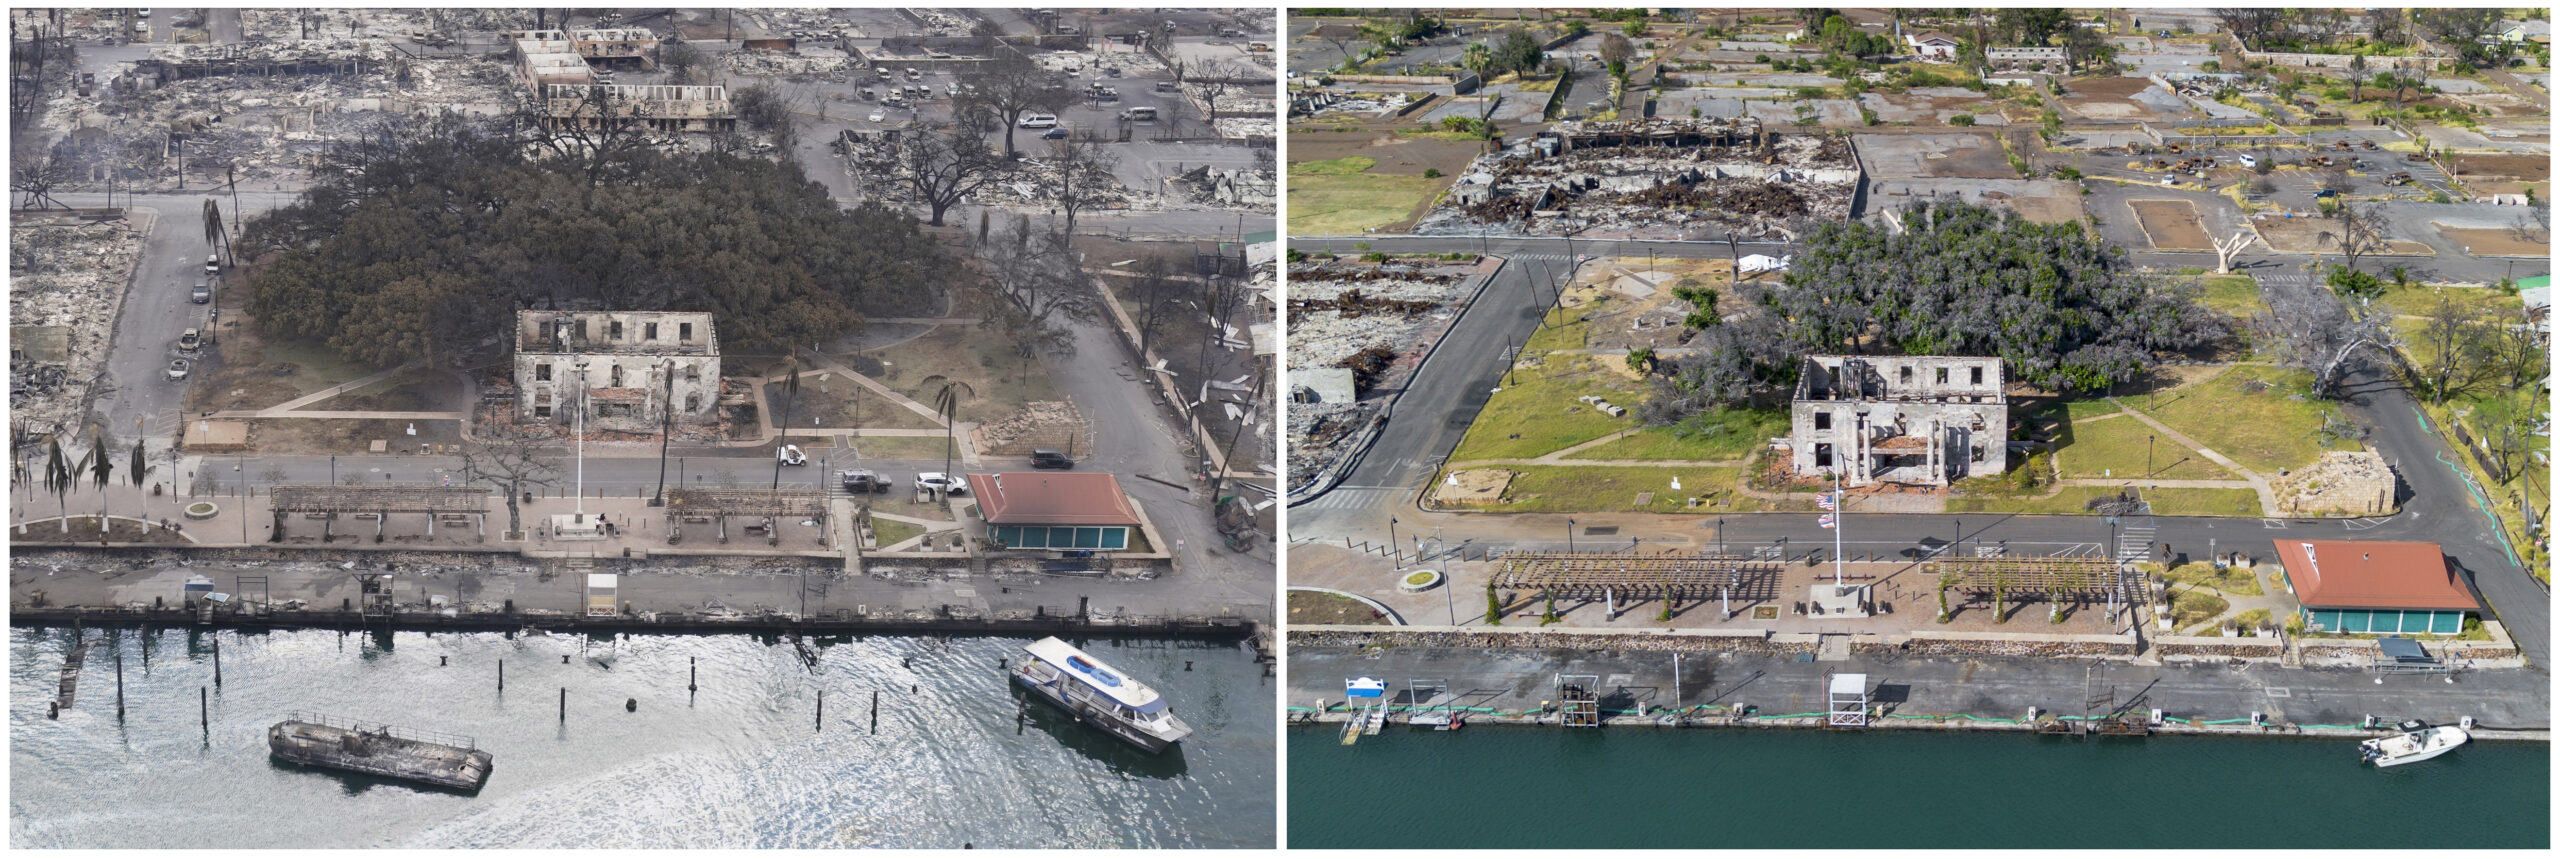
(629, 356)
(1936, 429)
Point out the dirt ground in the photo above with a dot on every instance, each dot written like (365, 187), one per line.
(2172, 225)
(1314, 608)
(1397, 155)
(2303, 236)
(2523, 168)
(2499, 243)
(2109, 98)
(315, 437)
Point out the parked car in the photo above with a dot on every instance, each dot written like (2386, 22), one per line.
(213, 263)
(947, 484)
(865, 480)
(203, 293)
(1055, 134)
(190, 341)
(790, 454)
(2324, 193)
(1046, 458)
(178, 370)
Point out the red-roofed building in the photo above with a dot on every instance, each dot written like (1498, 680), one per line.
(1055, 510)
(2355, 586)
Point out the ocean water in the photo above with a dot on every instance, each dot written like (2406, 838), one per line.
(1548, 788)
(743, 762)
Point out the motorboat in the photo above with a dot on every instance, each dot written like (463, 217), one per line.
(1100, 695)
(2415, 742)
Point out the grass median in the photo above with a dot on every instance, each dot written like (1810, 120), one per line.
(1338, 197)
(2263, 418)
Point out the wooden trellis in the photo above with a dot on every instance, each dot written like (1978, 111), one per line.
(1679, 577)
(2030, 575)
(747, 502)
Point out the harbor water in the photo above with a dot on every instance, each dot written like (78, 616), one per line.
(1549, 788)
(745, 761)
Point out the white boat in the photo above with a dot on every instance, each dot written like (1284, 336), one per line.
(2415, 742)
(1100, 695)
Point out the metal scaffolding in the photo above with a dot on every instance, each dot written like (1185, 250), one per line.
(772, 505)
(326, 501)
(1605, 576)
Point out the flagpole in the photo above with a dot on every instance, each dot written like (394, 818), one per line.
(1839, 513)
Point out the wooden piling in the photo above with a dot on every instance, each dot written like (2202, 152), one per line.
(822, 710)
(119, 683)
(875, 711)
(564, 705)
(692, 673)
(217, 660)
(502, 675)
(204, 709)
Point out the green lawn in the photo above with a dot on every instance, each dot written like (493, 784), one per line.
(2191, 607)
(1564, 328)
(2419, 300)
(1596, 488)
(1717, 436)
(2264, 430)
(1336, 198)
(1538, 413)
(2121, 449)
(892, 532)
(901, 447)
(2235, 294)
(315, 366)
(2230, 581)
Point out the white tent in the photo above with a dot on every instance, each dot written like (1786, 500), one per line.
(1762, 262)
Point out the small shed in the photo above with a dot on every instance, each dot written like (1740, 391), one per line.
(1056, 510)
(2376, 587)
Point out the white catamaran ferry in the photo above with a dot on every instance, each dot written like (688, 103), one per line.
(1100, 695)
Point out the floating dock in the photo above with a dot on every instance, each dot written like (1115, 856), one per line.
(424, 757)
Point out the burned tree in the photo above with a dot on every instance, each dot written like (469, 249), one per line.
(2454, 349)
(2311, 330)
(1084, 175)
(509, 458)
(1009, 85)
(1038, 285)
(942, 169)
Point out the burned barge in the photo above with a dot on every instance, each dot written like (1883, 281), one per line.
(424, 757)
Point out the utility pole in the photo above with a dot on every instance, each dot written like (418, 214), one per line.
(668, 435)
(581, 431)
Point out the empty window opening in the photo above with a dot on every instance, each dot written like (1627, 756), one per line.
(613, 410)
(614, 330)
(1942, 375)
(542, 372)
(1977, 375)
(1906, 375)
(617, 370)
(651, 330)
(684, 331)
(542, 412)
(1822, 420)
(693, 372)
(1822, 456)
(693, 402)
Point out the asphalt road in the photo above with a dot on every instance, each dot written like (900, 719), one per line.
(1443, 397)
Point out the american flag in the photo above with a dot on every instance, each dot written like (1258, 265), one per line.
(1831, 520)
(1824, 499)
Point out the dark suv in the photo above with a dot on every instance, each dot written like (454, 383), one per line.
(1046, 458)
(203, 293)
(860, 480)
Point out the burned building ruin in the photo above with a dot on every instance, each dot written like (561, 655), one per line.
(633, 365)
(558, 68)
(1924, 420)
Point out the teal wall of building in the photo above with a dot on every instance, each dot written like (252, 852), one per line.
(2410, 622)
(1106, 537)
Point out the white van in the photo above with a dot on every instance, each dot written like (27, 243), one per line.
(1039, 120)
(1139, 114)
(2248, 160)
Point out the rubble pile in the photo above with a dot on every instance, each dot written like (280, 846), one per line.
(68, 276)
(805, 61)
(806, 23)
(270, 127)
(1034, 183)
(290, 24)
(940, 23)
(1752, 184)
(1373, 320)
(1257, 190)
(2351, 483)
(1044, 424)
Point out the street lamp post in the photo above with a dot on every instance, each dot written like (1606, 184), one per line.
(2151, 456)
(1568, 535)
(1392, 544)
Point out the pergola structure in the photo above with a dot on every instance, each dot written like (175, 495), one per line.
(2053, 575)
(382, 500)
(1609, 577)
(720, 504)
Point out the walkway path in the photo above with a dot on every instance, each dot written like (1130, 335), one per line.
(285, 409)
(2266, 493)
(829, 362)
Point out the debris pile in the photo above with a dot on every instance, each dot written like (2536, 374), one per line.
(2352, 483)
(1256, 190)
(1051, 424)
(940, 23)
(66, 285)
(805, 61)
(1373, 319)
(803, 23)
(1663, 174)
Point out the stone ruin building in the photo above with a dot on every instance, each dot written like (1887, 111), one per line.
(628, 360)
(1920, 420)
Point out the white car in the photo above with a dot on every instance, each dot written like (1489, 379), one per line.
(879, 115)
(948, 484)
(790, 454)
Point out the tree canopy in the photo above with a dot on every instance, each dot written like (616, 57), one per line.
(2063, 312)
(427, 247)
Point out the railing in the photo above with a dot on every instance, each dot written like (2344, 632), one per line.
(413, 734)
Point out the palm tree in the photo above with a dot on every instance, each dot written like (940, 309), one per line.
(790, 392)
(946, 402)
(134, 470)
(101, 469)
(57, 479)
